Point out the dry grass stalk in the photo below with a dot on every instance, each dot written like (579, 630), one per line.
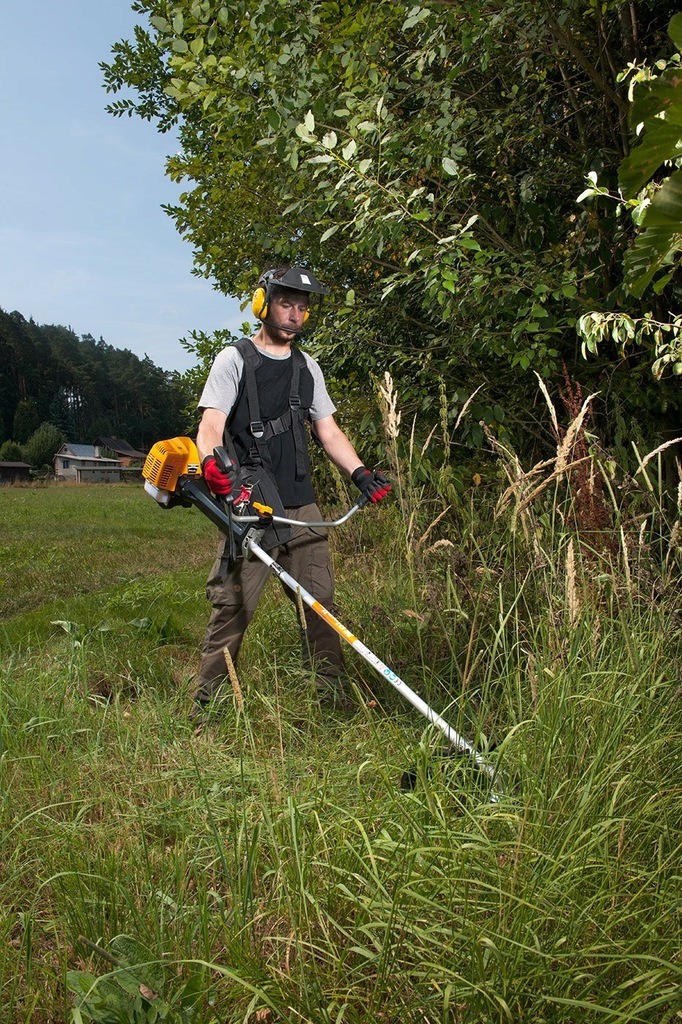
(550, 405)
(466, 405)
(302, 621)
(509, 458)
(514, 473)
(428, 440)
(533, 678)
(234, 679)
(556, 475)
(573, 433)
(411, 445)
(572, 598)
(442, 543)
(643, 463)
(530, 496)
(642, 531)
(674, 541)
(626, 561)
(389, 407)
(522, 480)
(428, 529)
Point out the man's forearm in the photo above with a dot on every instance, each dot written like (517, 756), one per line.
(207, 441)
(210, 432)
(341, 452)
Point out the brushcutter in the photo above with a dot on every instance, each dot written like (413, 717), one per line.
(172, 474)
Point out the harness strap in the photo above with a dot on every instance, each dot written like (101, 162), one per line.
(296, 414)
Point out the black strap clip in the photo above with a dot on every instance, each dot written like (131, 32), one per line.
(257, 429)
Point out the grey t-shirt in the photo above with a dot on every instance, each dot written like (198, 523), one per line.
(222, 384)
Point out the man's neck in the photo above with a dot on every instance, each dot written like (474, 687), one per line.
(272, 346)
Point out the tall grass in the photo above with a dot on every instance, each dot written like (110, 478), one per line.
(271, 868)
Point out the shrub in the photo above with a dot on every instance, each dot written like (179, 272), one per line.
(10, 451)
(43, 443)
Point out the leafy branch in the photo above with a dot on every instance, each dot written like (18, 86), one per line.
(629, 332)
(655, 207)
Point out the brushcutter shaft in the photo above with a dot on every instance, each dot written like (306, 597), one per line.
(377, 664)
(192, 489)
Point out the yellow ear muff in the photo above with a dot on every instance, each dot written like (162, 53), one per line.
(259, 305)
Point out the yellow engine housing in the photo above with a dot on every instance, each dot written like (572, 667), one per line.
(167, 461)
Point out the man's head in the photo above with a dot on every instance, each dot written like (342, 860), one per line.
(284, 283)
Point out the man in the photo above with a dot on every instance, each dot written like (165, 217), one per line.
(287, 389)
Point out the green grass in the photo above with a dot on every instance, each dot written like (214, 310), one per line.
(271, 868)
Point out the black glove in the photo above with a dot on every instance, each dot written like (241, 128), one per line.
(373, 484)
(221, 480)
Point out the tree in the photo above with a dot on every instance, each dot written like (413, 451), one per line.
(424, 157)
(43, 445)
(10, 451)
(26, 420)
(85, 387)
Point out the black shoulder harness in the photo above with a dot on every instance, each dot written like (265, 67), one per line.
(260, 432)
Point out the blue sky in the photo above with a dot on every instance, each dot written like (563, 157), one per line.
(83, 240)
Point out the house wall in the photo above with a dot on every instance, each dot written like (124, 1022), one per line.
(86, 475)
(66, 467)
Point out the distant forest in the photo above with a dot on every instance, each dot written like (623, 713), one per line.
(83, 387)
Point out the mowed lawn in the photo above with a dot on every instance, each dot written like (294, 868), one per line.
(61, 545)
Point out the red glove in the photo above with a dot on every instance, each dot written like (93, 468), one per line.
(220, 481)
(372, 483)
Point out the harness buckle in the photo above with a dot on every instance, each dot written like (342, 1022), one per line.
(257, 429)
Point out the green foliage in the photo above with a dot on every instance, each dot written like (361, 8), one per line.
(380, 168)
(656, 113)
(204, 347)
(424, 159)
(655, 207)
(85, 387)
(134, 993)
(665, 338)
(10, 451)
(43, 445)
(26, 420)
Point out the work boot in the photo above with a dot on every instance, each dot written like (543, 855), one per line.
(198, 712)
(204, 711)
(333, 695)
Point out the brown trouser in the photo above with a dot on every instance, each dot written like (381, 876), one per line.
(234, 596)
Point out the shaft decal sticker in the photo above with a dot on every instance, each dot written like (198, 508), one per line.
(333, 622)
